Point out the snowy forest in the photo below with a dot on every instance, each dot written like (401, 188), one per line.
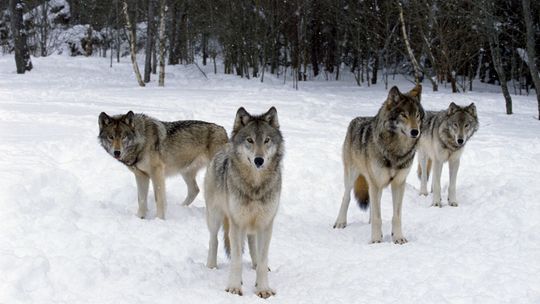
(444, 42)
(385, 151)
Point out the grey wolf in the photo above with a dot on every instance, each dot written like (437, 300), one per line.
(444, 135)
(242, 192)
(378, 151)
(154, 149)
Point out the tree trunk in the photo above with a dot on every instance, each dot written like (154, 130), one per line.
(22, 55)
(531, 51)
(415, 64)
(133, 50)
(173, 56)
(162, 9)
(497, 62)
(149, 41)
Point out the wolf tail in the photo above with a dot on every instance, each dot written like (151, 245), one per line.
(361, 192)
(428, 170)
(226, 240)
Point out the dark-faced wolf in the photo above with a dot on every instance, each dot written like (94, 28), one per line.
(444, 135)
(242, 192)
(377, 152)
(154, 149)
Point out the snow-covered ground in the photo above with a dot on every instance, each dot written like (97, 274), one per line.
(69, 234)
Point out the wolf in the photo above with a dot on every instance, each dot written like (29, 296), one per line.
(445, 134)
(154, 149)
(378, 151)
(242, 192)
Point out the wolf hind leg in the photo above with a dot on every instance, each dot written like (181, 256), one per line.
(190, 178)
(350, 175)
(214, 220)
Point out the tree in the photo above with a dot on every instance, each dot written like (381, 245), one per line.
(133, 49)
(22, 55)
(149, 41)
(531, 51)
(162, 10)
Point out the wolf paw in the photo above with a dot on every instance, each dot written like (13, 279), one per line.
(234, 290)
(400, 241)
(265, 293)
(141, 213)
(211, 265)
(340, 224)
(453, 204)
(376, 240)
(424, 192)
(436, 204)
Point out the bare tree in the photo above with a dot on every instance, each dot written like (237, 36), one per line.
(531, 51)
(149, 41)
(416, 66)
(162, 10)
(133, 49)
(22, 55)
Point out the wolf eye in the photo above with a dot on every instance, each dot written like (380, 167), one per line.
(249, 140)
(466, 126)
(455, 125)
(402, 114)
(266, 140)
(110, 137)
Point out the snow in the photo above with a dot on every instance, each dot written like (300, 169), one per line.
(69, 234)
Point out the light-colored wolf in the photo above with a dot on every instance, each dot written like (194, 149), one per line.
(444, 135)
(154, 149)
(377, 152)
(242, 191)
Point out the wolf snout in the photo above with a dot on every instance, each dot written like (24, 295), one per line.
(259, 161)
(460, 141)
(116, 154)
(415, 133)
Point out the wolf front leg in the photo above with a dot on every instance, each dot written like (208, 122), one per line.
(436, 182)
(143, 182)
(214, 221)
(453, 167)
(423, 162)
(237, 236)
(158, 181)
(349, 177)
(263, 243)
(375, 216)
(398, 189)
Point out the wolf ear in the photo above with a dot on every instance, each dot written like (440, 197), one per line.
(242, 118)
(416, 91)
(471, 109)
(128, 118)
(103, 120)
(271, 117)
(453, 108)
(394, 95)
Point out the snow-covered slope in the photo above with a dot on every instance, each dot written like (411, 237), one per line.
(68, 231)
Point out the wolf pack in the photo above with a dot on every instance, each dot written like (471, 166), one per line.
(243, 180)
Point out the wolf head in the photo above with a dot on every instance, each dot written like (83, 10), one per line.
(404, 113)
(461, 123)
(117, 133)
(257, 139)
